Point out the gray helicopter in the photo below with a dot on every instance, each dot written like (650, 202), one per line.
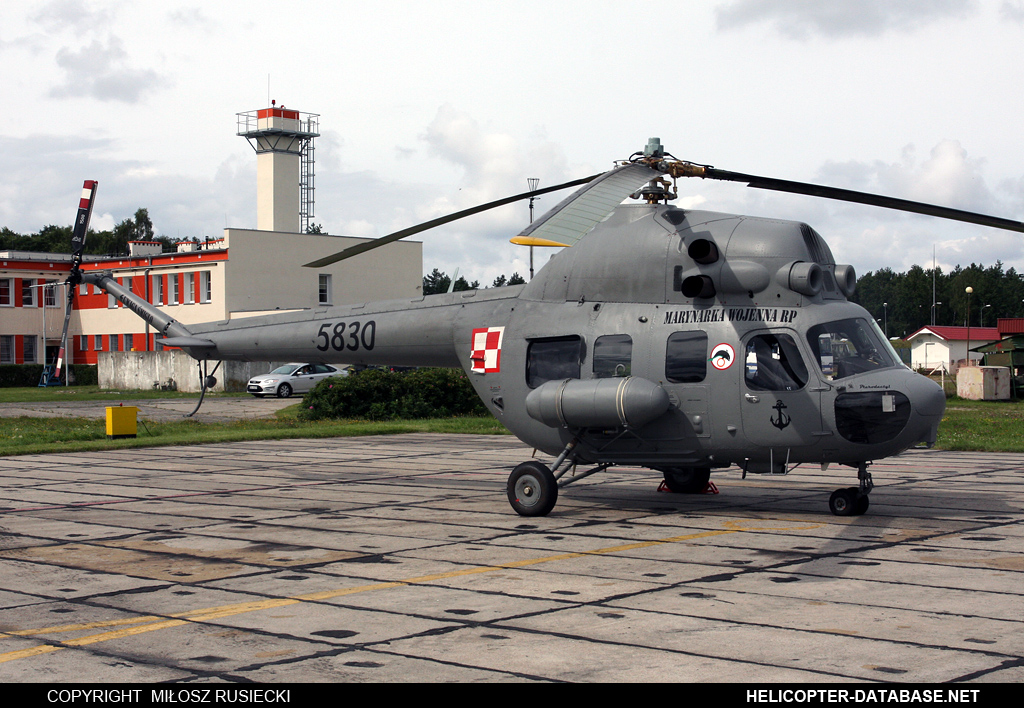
(679, 340)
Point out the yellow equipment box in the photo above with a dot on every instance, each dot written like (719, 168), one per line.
(122, 422)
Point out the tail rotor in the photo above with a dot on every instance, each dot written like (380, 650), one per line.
(75, 276)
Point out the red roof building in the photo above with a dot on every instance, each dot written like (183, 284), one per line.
(932, 347)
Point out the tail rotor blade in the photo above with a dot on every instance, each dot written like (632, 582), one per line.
(82, 219)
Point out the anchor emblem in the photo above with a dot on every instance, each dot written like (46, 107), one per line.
(783, 421)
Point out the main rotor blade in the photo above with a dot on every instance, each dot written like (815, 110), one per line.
(847, 195)
(582, 210)
(390, 238)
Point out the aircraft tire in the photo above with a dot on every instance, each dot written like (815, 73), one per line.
(686, 480)
(845, 502)
(284, 391)
(532, 490)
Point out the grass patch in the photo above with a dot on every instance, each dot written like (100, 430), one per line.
(30, 436)
(982, 426)
(58, 394)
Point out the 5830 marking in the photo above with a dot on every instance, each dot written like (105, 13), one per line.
(350, 336)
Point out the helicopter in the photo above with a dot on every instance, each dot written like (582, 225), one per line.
(678, 340)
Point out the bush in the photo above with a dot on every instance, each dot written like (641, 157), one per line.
(22, 375)
(385, 395)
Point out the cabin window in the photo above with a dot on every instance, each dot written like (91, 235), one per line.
(773, 363)
(849, 347)
(613, 356)
(686, 357)
(553, 359)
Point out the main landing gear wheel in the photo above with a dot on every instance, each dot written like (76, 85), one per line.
(687, 480)
(532, 489)
(848, 502)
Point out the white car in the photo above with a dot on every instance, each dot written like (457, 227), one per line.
(291, 378)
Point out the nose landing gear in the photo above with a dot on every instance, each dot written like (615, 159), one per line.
(853, 501)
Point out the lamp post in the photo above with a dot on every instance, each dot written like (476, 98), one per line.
(885, 320)
(934, 305)
(982, 318)
(968, 290)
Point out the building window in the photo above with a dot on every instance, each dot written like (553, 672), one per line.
(205, 288)
(7, 349)
(158, 290)
(325, 289)
(50, 293)
(83, 342)
(190, 280)
(175, 292)
(129, 342)
(115, 344)
(97, 342)
(28, 293)
(83, 289)
(6, 292)
(30, 349)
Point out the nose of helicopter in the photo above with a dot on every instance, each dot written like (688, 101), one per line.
(928, 402)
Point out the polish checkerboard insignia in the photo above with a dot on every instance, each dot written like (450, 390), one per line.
(486, 350)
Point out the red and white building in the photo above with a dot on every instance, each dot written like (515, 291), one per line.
(245, 273)
(932, 346)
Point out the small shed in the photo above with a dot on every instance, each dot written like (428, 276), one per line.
(1008, 352)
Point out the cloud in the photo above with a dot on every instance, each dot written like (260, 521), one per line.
(801, 19)
(1012, 10)
(99, 71)
(193, 18)
(71, 14)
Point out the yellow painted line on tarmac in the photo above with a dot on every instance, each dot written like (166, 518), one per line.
(154, 623)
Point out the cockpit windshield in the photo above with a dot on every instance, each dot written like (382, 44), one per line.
(849, 347)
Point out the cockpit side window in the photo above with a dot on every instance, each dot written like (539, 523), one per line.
(613, 356)
(773, 363)
(847, 347)
(553, 359)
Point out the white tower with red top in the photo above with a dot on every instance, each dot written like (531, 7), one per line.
(283, 141)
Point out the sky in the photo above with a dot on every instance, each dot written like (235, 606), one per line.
(431, 107)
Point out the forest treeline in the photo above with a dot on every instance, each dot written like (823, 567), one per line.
(903, 301)
(113, 242)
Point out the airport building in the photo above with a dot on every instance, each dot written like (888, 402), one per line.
(247, 272)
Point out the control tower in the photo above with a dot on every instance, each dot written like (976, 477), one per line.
(283, 141)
